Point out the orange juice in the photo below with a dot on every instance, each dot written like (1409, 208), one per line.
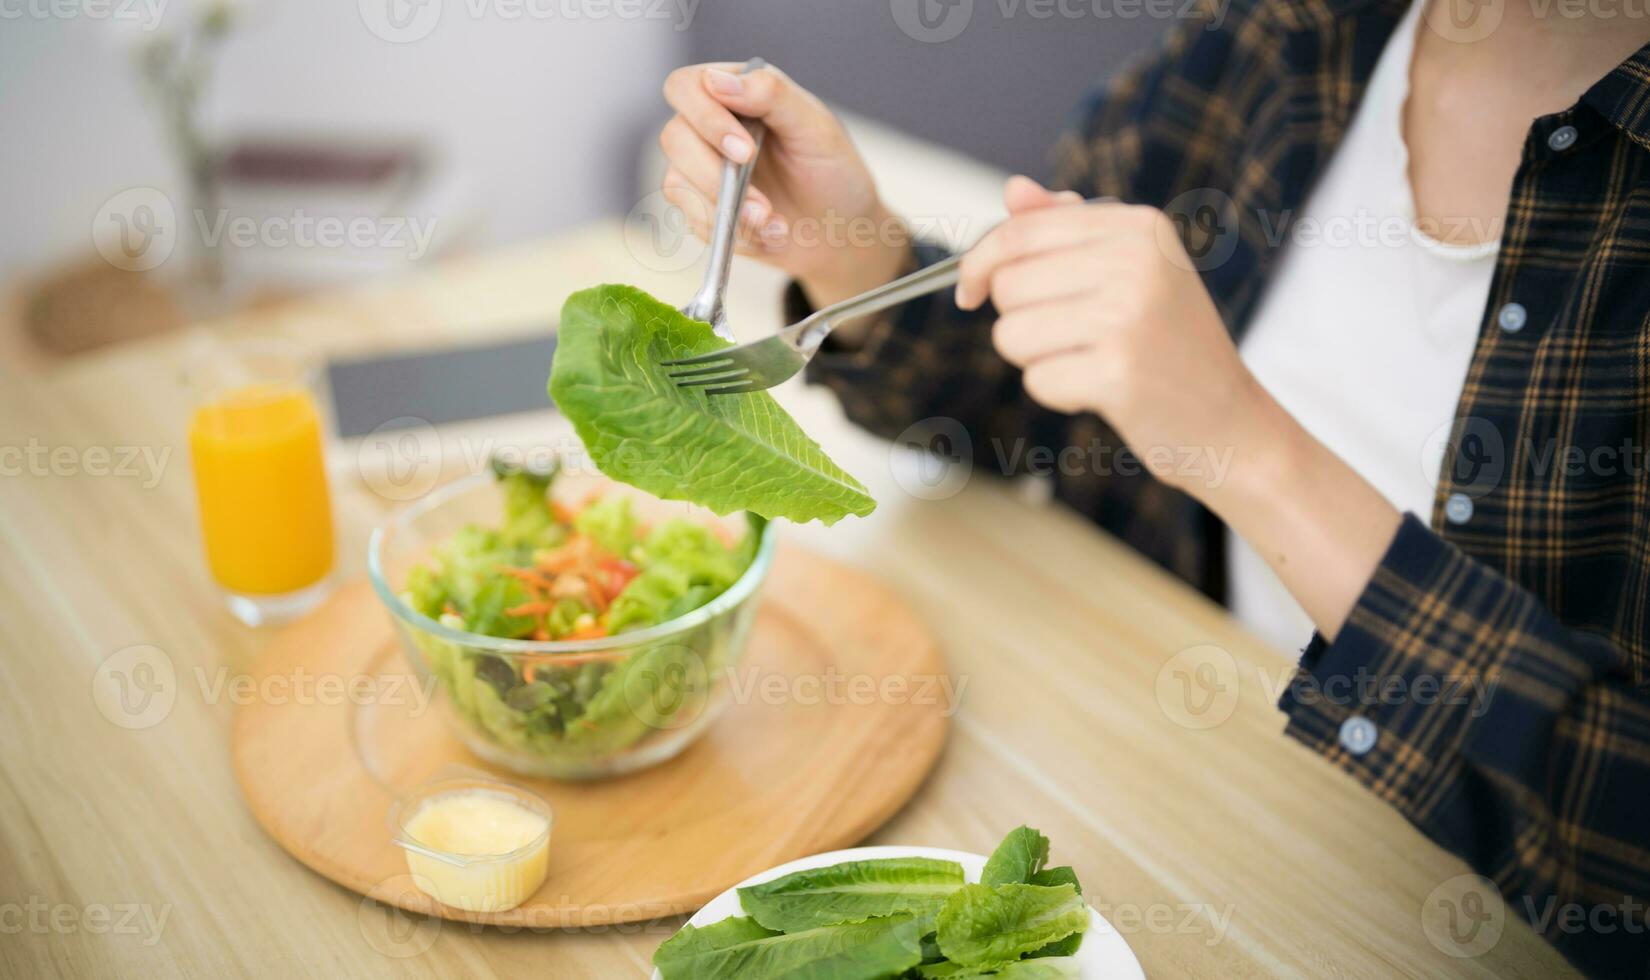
(261, 481)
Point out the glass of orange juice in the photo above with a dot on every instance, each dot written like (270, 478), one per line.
(255, 441)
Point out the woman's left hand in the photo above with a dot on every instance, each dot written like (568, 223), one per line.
(1105, 312)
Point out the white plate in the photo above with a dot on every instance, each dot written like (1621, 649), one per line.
(1103, 954)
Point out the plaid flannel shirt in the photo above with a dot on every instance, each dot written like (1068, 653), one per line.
(1530, 579)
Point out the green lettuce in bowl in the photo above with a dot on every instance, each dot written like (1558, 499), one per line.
(578, 629)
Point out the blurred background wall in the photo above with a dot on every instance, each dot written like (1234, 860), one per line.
(997, 79)
(536, 119)
(538, 109)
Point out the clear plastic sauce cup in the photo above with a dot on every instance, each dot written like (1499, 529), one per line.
(474, 843)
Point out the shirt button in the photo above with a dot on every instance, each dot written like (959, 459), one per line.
(1512, 317)
(1358, 735)
(1458, 508)
(1562, 138)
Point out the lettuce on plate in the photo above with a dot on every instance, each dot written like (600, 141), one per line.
(1021, 854)
(1019, 859)
(727, 453)
(870, 950)
(1063, 875)
(852, 891)
(981, 925)
(1057, 969)
(896, 919)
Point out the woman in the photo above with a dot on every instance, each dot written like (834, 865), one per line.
(1507, 320)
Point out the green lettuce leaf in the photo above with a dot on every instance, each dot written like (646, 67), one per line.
(1063, 875)
(695, 941)
(1021, 854)
(684, 566)
(853, 891)
(488, 614)
(740, 949)
(728, 453)
(1063, 968)
(610, 522)
(980, 925)
(528, 522)
(1057, 969)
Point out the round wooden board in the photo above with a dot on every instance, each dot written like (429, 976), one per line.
(839, 712)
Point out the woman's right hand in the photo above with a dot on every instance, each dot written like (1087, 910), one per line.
(812, 208)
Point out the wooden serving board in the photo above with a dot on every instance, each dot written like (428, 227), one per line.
(838, 716)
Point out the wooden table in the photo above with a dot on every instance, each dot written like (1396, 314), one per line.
(1220, 850)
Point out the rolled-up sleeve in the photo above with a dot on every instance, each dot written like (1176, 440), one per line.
(1519, 744)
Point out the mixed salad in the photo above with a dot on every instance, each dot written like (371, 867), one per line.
(908, 918)
(549, 571)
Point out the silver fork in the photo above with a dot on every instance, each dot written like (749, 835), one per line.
(706, 304)
(764, 363)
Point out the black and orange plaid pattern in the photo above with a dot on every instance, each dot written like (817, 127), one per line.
(1526, 591)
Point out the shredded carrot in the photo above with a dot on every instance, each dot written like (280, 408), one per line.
(560, 560)
(536, 608)
(588, 633)
(598, 598)
(562, 512)
(531, 577)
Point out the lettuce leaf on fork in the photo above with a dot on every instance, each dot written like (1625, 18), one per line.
(727, 453)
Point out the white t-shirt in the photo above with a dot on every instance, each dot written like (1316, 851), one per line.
(1367, 329)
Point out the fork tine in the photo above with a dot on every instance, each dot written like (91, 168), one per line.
(699, 360)
(702, 372)
(738, 377)
(742, 388)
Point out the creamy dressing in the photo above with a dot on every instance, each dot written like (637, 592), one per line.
(501, 850)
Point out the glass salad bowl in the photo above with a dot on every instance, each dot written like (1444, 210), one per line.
(579, 630)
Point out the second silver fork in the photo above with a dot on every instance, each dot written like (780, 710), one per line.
(767, 362)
